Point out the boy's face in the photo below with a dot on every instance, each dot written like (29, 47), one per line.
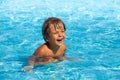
(57, 34)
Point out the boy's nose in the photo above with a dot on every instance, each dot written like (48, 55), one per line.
(59, 34)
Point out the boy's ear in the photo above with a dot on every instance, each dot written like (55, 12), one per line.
(46, 38)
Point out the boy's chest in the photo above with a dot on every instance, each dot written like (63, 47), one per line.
(55, 54)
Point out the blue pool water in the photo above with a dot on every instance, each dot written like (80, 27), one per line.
(93, 34)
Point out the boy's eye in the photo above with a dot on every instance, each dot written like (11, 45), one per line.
(54, 32)
(62, 31)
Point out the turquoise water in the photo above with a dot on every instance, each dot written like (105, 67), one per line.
(93, 34)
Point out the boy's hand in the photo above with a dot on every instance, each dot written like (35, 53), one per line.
(71, 59)
(75, 59)
(27, 69)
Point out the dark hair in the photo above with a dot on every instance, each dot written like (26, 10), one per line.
(52, 20)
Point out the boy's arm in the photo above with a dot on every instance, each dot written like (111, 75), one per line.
(35, 60)
(31, 62)
(68, 58)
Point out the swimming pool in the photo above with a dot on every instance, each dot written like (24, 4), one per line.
(93, 34)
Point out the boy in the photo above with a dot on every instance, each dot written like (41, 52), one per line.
(53, 49)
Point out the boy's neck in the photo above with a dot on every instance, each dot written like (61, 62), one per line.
(54, 48)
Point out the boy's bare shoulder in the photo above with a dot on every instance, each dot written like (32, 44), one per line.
(64, 46)
(41, 50)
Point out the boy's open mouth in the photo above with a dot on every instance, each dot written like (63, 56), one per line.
(60, 40)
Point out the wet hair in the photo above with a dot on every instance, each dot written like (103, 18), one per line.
(51, 21)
